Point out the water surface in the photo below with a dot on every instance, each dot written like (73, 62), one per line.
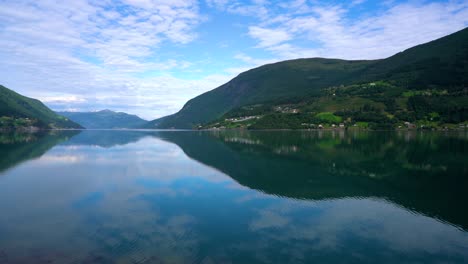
(233, 197)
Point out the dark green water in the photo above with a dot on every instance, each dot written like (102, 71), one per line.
(234, 197)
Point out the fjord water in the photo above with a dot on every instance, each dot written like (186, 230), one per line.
(234, 197)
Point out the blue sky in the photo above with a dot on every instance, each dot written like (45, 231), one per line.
(148, 57)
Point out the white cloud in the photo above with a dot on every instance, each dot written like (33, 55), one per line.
(88, 55)
(149, 97)
(252, 61)
(62, 99)
(268, 37)
(220, 4)
(256, 8)
(327, 31)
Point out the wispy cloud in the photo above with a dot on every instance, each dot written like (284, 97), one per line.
(268, 37)
(327, 31)
(92, 51)
(257, 8)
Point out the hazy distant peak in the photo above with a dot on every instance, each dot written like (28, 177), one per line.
(105, 119)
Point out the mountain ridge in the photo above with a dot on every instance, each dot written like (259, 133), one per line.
(18, 111)
(438, 64)
(105, 119)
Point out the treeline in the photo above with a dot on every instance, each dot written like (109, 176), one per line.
(12, 123)
(376, 105)
(445, 109)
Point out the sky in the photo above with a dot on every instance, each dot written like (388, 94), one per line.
(148, 57)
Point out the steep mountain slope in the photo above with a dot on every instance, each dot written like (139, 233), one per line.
(439, 64)
(105, 119)
(154, 124)
(17, 110)
(276, 81)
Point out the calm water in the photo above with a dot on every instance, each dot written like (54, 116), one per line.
(234, 197)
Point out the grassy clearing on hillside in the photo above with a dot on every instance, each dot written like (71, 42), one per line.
(328, 117)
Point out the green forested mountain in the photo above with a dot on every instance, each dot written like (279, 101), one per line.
(105, 119)
(426, 83)
(19, 111)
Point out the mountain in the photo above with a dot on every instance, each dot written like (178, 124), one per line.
(105, 119)
(274, 81)
(17, 111)
(154, 124)
(440, 65)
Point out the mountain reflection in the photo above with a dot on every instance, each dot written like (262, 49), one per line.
(233, 197)
(424, 172)
(107, 138)
(16, 148)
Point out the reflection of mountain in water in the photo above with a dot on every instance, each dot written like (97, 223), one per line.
(107, 138)
(422, 172)
(425, 172)
(16, 148)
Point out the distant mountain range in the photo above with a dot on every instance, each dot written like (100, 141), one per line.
(426, 84)
(18, 111)
(105, 119)
(21, 112)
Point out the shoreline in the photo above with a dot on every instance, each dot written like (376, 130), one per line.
(36, 130)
